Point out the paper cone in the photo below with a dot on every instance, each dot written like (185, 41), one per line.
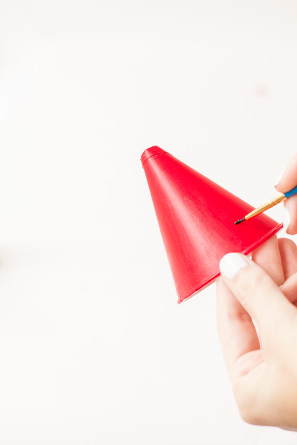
(196, 218)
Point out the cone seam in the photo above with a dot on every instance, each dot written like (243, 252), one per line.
(152, 155)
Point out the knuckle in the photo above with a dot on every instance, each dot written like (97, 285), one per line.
(249, 405)
(249, 416)
(247, 411)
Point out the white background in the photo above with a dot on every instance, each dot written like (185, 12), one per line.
(93, 346)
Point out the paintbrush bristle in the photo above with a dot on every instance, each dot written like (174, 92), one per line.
(239, 221)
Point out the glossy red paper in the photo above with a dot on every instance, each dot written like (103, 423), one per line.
(196, 218)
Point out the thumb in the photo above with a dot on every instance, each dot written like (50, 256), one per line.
(256, 292)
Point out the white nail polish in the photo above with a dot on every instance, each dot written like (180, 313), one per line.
(231, 264)
(279, 177)
(286, 219)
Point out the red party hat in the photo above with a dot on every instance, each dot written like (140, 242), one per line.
(196, 218)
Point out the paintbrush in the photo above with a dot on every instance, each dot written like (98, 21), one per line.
(272, 202)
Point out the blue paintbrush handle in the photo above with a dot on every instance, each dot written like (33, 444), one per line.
(291, 192)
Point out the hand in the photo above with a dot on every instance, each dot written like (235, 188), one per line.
(287, 181)
(263, 370)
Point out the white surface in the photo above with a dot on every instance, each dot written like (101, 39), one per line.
(93, 346)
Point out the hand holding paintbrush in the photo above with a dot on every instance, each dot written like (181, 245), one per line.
(262, 291)
(287, 186)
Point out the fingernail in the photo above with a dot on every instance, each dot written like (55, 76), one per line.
(232, 263)
(286, 219)
(279, 178)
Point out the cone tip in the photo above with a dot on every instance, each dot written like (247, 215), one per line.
(152, 151)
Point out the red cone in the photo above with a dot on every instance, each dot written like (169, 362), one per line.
(196, 218)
